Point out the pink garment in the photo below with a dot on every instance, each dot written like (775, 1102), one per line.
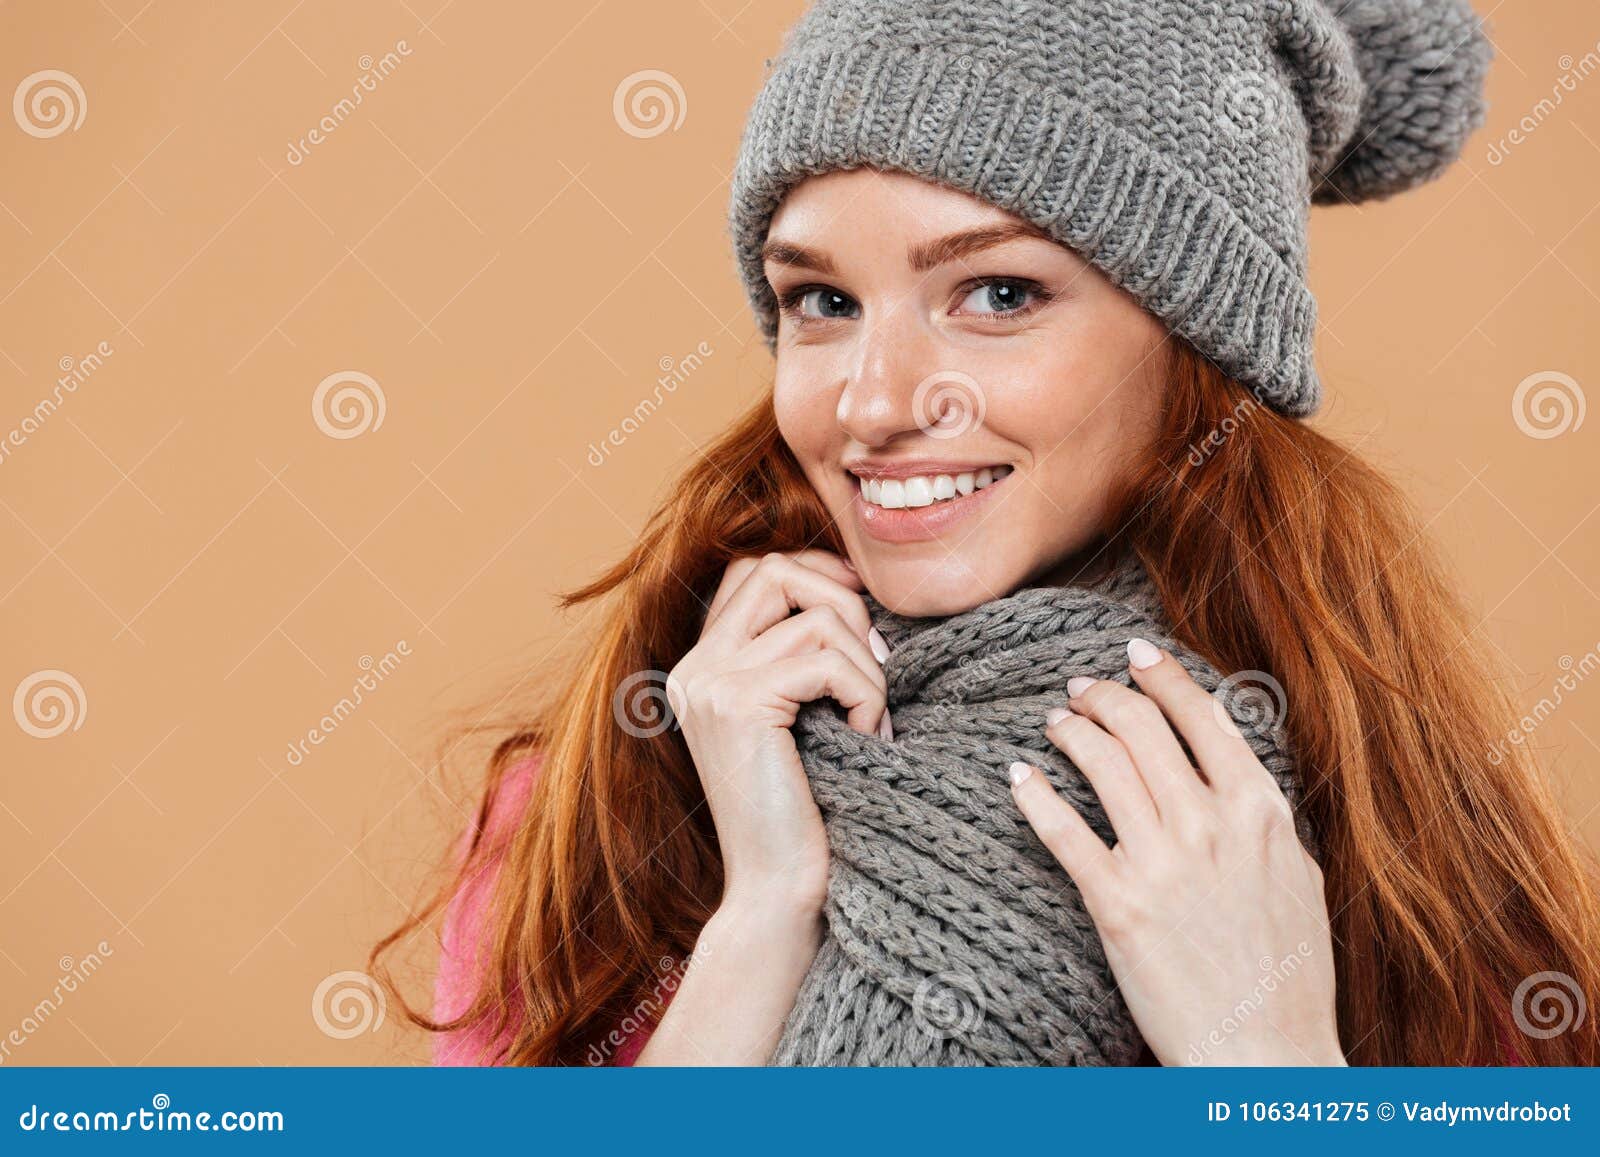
(458, 978)
(461, 960)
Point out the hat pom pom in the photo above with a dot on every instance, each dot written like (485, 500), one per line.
(1423, 64)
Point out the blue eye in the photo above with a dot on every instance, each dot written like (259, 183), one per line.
(999, 297)
(819, 304)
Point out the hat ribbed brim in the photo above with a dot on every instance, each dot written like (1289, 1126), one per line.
(1148, 223)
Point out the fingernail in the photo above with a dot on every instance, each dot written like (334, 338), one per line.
(1142, 654)
(1078, 684)
(1019, 772)
(880, 648)
(1055, 715)
(847, 562)
(885, 728)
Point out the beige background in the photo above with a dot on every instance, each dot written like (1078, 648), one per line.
(514, 270)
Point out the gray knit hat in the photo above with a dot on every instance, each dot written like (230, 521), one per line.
(1175, 144)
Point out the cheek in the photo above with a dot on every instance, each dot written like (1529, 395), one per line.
(1083, 405)
(806, 413)
(1095, 382)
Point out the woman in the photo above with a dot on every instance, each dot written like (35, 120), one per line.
(1034, 278)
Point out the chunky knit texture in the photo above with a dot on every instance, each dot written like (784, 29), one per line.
(953, 937)
(1175, 144)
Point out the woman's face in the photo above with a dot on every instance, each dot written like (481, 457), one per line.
(985, 384)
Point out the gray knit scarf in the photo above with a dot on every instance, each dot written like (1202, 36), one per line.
(953, 937)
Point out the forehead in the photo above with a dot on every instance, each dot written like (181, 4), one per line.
(828, 201)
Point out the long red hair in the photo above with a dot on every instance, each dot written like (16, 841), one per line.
(1450, 874)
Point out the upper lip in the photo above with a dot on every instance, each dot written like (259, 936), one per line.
(914, 467)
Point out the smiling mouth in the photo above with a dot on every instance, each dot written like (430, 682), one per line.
(927, 489)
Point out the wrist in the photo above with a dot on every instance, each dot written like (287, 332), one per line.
(785, 928)
(769, 911)
(783, 901)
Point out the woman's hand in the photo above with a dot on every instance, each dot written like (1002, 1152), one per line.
(1211, 911)
(736, 694)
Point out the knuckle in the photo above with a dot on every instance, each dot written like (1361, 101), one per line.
(844, 672)
(1259, 813)
(714, 695)
(677, 691)
(691, 688)
(826, 620)
(1121, 707)
(857, 619)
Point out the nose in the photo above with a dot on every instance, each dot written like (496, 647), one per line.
(893, 355)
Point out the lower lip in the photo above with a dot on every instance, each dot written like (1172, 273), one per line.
(919, 523)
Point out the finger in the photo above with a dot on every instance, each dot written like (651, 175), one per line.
(829, 674)
(733, 576)
(817, 629)
(1138, 724)
(1106, 765)
(777, 586)
(1221, 750)
(823, 561)
(1062, 830)
(832, 564)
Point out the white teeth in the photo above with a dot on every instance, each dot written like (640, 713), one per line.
(919, 492)
(926, 489)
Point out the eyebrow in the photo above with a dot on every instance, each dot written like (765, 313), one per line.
(921, 258)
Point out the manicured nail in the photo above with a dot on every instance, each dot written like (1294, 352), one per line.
(1078, 684)
(880, 648)
(1019, 772)
(1055, 715)
(885, 728)
(1142, 654)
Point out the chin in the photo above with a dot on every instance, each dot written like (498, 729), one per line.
(941, 588)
